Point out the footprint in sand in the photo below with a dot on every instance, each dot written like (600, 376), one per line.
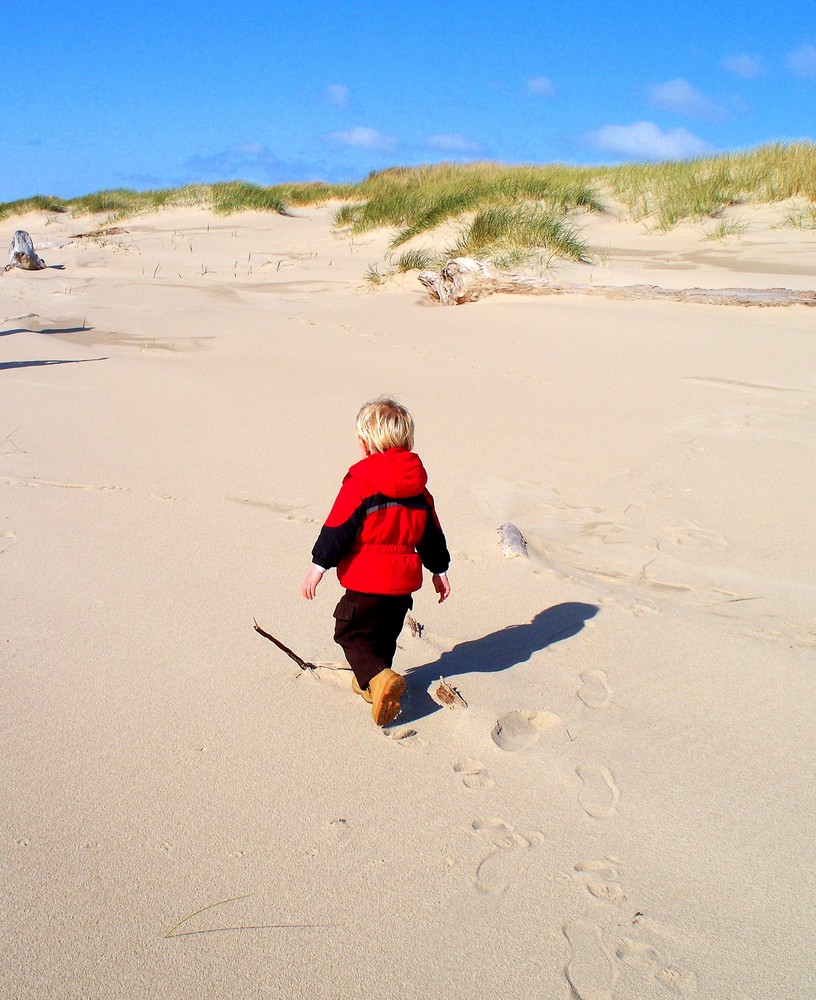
(691, 533)
(474, 775)
(590, 970)
(600, 795)
(502, 866)
(36, 483)
(644, 607)
(594, 691)
(601, 879)
(499, 833)
(647, 960)
(520, 730)
(407, 738)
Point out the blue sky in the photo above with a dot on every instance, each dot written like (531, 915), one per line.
(100, 95)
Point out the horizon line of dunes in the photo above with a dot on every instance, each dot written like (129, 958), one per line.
(506, 212)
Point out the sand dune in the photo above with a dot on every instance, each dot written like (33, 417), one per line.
(624, 809)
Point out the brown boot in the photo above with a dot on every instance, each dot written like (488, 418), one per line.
(386, 690)
(364, 693)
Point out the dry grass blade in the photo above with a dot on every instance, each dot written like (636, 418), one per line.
(210, 906)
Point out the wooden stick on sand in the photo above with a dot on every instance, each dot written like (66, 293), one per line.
(301, 663)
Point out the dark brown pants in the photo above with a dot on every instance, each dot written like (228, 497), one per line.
(367, 627)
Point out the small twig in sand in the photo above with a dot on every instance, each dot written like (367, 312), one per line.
(301, 663)
(7, 439)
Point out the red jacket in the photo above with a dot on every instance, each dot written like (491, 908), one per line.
(383, 527)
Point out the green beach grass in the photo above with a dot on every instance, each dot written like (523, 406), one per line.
(511, 215)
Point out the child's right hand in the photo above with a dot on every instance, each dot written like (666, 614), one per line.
(313, 578)
(441, 586)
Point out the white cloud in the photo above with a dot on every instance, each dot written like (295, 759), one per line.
(452, 143)
(363, 137)
(645, 140)
(679, 95)
(540, 85)
(338, 93)
(745, 66)
(802, 61)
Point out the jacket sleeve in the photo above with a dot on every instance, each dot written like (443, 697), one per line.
(341, 528)
(432, 547)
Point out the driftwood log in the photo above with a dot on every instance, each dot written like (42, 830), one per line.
(511, 541)
(22, 253)
(466, 280)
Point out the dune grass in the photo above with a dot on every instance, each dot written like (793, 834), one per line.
(121, 203)
(800, 218)
(228, 197)
(508, 214)
(693, 190)
(416, 259)
(724, 229)
(511, 235)
(514, 215)
(415, 200)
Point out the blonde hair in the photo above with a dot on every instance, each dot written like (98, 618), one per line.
(384, 423)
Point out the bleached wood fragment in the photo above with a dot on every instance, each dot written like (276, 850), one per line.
(511, 542)
(22, 253)
(417, 628)
(466, 280)
(11, 319)
(446, 695)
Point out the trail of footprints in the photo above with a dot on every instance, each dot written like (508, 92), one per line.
(592, 969)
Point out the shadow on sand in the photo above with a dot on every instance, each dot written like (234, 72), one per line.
(49, 331)
(8, 365)
(497, 651)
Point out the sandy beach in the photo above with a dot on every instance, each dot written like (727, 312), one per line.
(626, 808)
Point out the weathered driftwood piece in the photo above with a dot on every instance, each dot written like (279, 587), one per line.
(51, 244)
(22, 253)
(466, 280)
(10, 319)
(417, 628)
(446, 695)
(511, 542)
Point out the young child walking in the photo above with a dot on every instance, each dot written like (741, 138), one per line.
(379, 534)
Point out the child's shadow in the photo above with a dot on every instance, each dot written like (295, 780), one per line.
(497, 651)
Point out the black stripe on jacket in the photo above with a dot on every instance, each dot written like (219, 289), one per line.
(334, 543)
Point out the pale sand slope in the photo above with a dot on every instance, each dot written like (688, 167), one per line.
(642, 825)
